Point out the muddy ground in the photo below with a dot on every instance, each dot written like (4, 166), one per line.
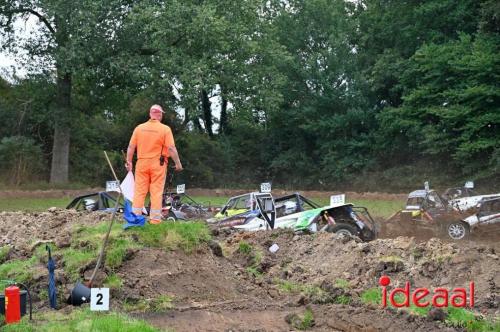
(236, 291)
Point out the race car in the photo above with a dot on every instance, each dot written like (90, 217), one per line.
(485, 221)
(260, 211)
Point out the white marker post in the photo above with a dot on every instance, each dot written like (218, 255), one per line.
(181, 188)
(112, 186)
(265, 187)
(99, 299)
(337, 199)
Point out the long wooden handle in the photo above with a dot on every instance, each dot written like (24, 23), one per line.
(105, 242)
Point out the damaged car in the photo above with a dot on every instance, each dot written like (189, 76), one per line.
(260, 211)
(486, 221)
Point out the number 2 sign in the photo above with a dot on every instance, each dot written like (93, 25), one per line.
(99, 299)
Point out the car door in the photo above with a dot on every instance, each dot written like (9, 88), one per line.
(489, 217)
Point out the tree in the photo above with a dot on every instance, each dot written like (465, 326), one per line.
(451, 104)
(209, 49)
(73, 38)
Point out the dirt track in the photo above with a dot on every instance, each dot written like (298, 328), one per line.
(214, 293)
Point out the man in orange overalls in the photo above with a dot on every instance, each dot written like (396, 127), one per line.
(155, 143)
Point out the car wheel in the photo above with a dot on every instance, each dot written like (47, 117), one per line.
(345, 229)
(170, 217)
(458, 230)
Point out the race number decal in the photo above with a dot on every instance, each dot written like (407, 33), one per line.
(337, 199)
(112, 186)
(181, 189)
(99, 299)
(265, 187)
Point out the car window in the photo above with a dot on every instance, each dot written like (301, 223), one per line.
(490, 207)
(414, 201)
(244, 202)
(434, 200)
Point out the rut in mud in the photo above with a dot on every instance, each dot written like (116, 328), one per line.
(235, 283)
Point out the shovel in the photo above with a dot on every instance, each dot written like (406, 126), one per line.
(81, 292)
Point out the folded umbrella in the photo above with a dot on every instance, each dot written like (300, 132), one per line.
(51, 266)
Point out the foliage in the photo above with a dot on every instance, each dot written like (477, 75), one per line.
(371, 94)
(20, 158)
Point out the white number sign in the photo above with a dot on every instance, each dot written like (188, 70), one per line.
(181, 189)
(99, 299)
(265, 187)
(337, 199)
(113, 186)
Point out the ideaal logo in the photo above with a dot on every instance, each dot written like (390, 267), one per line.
(440, 296)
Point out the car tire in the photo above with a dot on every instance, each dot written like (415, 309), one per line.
(170, 217)
(341, 228)
(457, 230)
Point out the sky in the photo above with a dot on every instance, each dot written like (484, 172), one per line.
(23, 28)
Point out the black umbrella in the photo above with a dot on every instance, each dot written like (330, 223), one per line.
(51, 266)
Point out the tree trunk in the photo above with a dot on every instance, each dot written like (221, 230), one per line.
(59, 170)
(207, 112)
(223, 116)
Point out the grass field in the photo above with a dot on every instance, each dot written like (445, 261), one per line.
(378, 208)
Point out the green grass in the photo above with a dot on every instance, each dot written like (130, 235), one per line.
(160, 304)
(307, 320)
(244, 248)
(211, 200)
(372, 296)
(254, 255)
(43, 185)
(4, 252)
(87, 241)
(253, 271)
(18, 270)
(342, 283)
(380, 208)
(294, 288)
(32, 204)
(113, 281)
(377, 207)
(343, 299)
(79, 320)
(463, 318)
(74, 260)
(169, 235)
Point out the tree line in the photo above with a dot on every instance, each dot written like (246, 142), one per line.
(323, 94)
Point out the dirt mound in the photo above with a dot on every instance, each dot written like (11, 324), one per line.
(22, 231)
(193, 280)
(325, 258)
(248, 288)
(329, 318)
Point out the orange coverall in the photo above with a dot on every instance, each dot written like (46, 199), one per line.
(149, 138)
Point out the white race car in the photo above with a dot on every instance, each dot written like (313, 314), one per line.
(486, 220)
